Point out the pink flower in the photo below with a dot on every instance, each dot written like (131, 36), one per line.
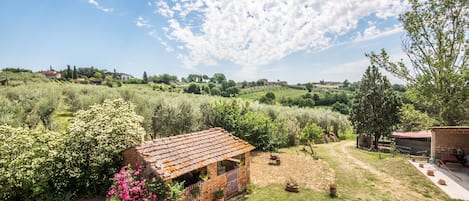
(111, 192)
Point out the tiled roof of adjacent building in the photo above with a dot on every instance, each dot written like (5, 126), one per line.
(173, 156)
(415, 134)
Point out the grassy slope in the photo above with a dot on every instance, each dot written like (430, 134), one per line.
(279, 93)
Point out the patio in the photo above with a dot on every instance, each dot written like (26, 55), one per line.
(457, 179)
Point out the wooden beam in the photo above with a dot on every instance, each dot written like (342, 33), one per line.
(234, 160)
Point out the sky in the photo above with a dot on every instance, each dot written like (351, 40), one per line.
(290, 40)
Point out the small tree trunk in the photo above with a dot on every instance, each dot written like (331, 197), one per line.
(311, 147)
(377, 136)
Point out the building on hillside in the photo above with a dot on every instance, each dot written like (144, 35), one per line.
(207, 160)
(415, 143)
(51, 74)
(263, 81)
(450, 144)
(124, 77)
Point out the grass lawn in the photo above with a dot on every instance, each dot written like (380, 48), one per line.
(358, 174)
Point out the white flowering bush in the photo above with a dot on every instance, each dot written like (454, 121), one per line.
(96, 139)
(27, 162)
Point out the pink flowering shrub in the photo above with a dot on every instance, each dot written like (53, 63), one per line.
(130, 184)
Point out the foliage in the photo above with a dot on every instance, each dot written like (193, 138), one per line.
(219, 193)
(436, 44)
(130, 184)
(145, 77)
(16, 70)
(193, 88)
(269, 98)
(176, 189)
(27, 163)
(341, 108)
(174, 118)
(414, 120)
(309, 86)
(9, 78)
(164, 78)
(96, 139)
(310, 134)
(375, 108)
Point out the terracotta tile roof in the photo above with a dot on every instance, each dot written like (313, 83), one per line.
(416, 134)
(173, 156)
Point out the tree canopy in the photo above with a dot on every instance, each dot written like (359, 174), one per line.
(375, 108)
(436, 43)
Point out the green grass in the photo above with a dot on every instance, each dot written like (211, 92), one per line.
(279, 93)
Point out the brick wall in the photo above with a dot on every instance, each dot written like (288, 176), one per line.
(219, 182)
(445, 141)
(214, 183)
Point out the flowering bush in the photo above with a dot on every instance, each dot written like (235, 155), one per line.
(131, 184)
(97, 136)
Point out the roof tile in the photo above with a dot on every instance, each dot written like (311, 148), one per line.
(176, 155)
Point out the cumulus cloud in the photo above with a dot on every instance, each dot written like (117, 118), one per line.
(255, 33)
(99, 7)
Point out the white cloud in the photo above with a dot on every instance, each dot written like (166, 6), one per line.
(255, 33)
(99, 7)
(141, 22)
(372, 32)
(151, 30)
(355, 69)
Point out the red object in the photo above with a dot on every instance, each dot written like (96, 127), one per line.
(417, 134)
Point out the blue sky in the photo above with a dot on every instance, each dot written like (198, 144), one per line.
(296, 41)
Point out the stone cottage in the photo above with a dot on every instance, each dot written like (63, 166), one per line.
(206, 161)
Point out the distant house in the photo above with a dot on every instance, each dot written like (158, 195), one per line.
(263, 81)
(207, 160)
(415, 143)
(124, 77)
(51, 74)
(283, 83)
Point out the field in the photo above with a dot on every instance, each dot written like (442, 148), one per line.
(279, 93)
(358, 174)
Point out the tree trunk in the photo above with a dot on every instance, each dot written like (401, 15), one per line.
(377, 136)
(311, 147)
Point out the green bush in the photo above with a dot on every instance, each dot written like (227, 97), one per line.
(27, 163)
(95, 141)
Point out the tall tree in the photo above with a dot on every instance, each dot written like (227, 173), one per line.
(145, 77)
(218, 78)
(375, 108)
(309, 86)
(69, 73)
(75, 76)
(436, 44)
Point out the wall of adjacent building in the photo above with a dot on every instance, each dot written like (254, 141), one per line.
(444, 141)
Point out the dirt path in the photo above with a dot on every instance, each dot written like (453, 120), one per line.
(399, 189)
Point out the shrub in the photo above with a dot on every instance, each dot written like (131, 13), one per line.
(130, 184)
(219, 193)
(27, 163)
(96, 139)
